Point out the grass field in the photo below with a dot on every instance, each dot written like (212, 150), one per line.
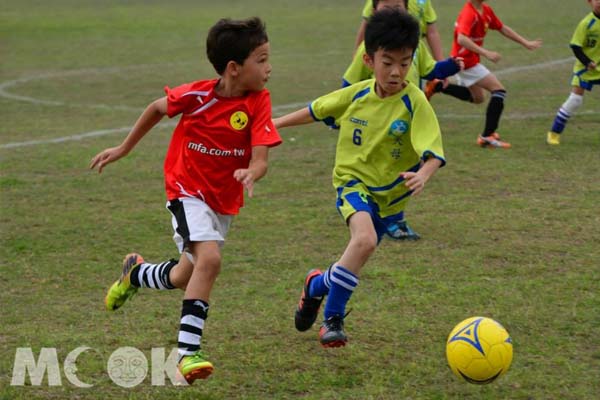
(513, 235)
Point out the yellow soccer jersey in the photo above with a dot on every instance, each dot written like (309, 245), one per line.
(422, 64)
(420, 9)
(587, 36)
(379, 138)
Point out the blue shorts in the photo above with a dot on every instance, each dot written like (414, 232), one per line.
(353, 199)
(577, 80)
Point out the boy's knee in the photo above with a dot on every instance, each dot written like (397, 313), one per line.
(366, 243)
(210, 261)
(478, 99)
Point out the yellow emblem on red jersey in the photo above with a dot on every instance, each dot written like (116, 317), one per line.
(238, 120)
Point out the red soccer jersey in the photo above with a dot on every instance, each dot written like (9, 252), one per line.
(475, 26)
(213, 138)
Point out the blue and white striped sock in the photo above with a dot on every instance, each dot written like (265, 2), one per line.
(343, 282)
(319, 286)
(560, 121)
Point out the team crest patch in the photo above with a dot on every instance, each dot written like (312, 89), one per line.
(397, 129)
(238, 120)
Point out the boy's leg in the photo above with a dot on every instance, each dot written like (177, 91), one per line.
(207, 264)
(490, 136)
(343, 277)
(451, 89)
(200, 233)
(137, 273)
(573, 102)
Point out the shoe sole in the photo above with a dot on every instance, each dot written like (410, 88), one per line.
(335, 343)
(199, 373)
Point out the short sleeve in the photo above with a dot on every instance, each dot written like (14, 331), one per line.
(357, 70)
(429, 15)
(426, 136)
(367, 9)
(262, 130)
(425, 60)
(179, 100)
(330, 107)
(464, 23)
(495, 22)
(580, 34)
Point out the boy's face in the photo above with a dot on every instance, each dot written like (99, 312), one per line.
(390, 68)
(390, 4)
(255, 71)
(595, 4)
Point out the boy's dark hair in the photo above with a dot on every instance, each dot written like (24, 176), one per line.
(234, 40)
(376, 3)
(391, 29)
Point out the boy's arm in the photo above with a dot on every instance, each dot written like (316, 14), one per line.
(434, 41)
(582, 57)
(257, 168)
(150, 117)
(300, 117)
(360, 34)
(467, 43)
(512, 35)
(415, 181)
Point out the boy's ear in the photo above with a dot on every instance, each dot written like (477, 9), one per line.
(233, 68)
(368, 60)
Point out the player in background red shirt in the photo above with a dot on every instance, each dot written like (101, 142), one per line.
(470, 28)
(219, 147)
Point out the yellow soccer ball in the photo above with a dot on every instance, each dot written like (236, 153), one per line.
(479, 350)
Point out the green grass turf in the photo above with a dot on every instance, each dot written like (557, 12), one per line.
(512, 235)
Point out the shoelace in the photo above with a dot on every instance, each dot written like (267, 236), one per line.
(335, 322)
(199, 354)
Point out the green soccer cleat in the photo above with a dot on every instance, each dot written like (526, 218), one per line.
(122, 290)
(195, 367)
(553, 138)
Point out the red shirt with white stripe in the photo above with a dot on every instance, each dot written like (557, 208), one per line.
(213, 138)
(474, 25)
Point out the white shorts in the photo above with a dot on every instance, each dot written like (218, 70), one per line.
(471, 76)
(194, 221)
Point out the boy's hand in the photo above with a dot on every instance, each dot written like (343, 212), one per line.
(460, 63)
(592, 66)
(414, 181)
(492, 56)
(246, 178)
(532, 44)
(106, 156)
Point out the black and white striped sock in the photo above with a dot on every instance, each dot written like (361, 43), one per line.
(154, 276)
(193, 314)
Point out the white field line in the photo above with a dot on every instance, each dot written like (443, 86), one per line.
(276, 109)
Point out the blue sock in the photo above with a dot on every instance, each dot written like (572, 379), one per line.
(319, 286)
(560, 121)
(343, 283)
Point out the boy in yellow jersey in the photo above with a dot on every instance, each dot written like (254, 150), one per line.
(389, 146)
(585, 44)
(423, 66)
(423, 11)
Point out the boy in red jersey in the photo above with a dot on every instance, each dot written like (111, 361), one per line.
(470, 28)
(219, 147)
